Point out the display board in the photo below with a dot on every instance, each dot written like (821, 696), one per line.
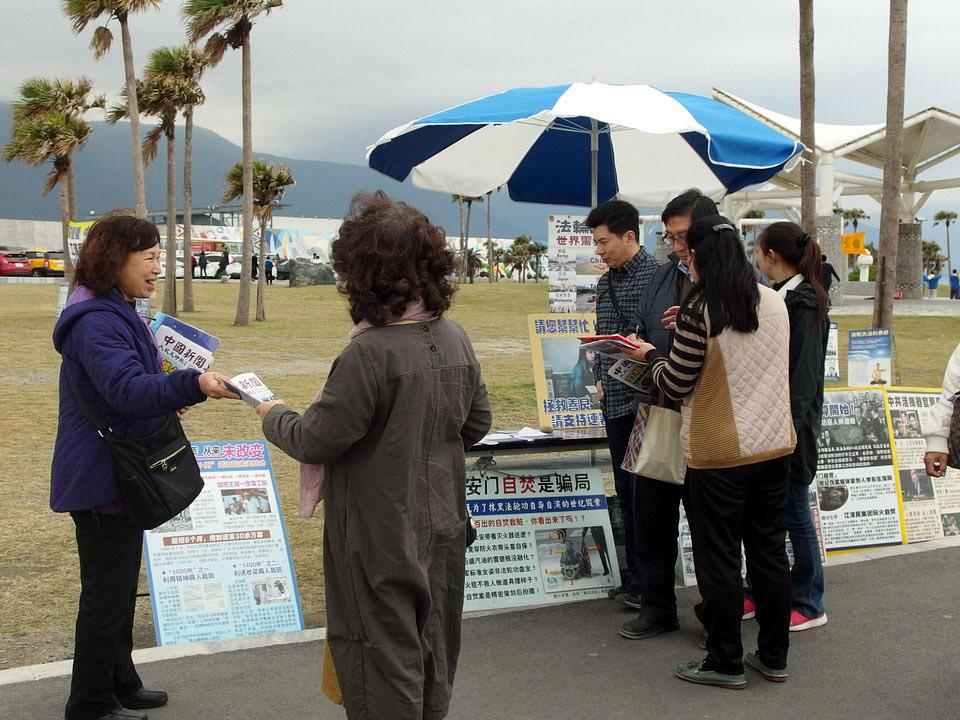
(869, 358)
(222, 568)
(563, 372)
(573, 266)
(543, 537)
(831, 363)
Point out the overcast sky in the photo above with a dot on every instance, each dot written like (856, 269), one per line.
(330, 77)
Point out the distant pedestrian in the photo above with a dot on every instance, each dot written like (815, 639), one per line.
(202, 263)
(827, 272)
(224, 261)
(193, 265)
(268, 270)
(954, 286)
(254, 266)
(933, 282)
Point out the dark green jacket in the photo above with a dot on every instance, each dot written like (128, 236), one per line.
(808, 349)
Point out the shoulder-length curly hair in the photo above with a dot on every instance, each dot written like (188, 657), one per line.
(388, 255)
(108, 245)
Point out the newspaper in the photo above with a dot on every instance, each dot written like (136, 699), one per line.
(609, 345)
(182, 346)
(630, 373)
(251, 388)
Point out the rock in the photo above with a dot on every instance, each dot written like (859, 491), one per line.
(306, 272)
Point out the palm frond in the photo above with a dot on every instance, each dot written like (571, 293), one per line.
(150, 144)
(215, 48)
(101, 41)
(117, 112)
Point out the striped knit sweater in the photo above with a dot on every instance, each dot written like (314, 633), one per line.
(735, 387)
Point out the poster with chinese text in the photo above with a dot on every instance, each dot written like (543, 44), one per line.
(543, 537)
(931, 506)
(573, 266)
(869, 358)
(563, 372)
(222, 568)
(856, 480)
(831, 364)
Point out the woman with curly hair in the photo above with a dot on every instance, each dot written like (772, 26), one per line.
(402, 403)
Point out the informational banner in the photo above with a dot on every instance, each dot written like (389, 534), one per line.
(543, 537)
(831, 365)
(573, 266)
(563, 372)
(182, 346)
(931, 506)
(76, 237)
(869, 358)
(856, 479)
(222, 568)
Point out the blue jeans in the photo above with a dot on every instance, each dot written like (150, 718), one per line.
(806, 577)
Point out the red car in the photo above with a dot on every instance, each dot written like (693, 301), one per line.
(13, 263)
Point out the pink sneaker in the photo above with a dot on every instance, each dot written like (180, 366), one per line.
(749, 609)
(799, 621)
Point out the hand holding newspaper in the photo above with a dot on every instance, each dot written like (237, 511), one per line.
(609, 345)
(251, 388)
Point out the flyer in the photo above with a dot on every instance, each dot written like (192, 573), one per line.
(573, 266)
(543, 537)
(859, 500)
(831, 365)
(222, 568)
(931, 506)
(182, 346)
(869, 358)
(567, 396)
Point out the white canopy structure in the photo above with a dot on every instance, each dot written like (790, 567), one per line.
(930, 137)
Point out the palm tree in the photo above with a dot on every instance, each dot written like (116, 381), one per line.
(163, 96)
(947, 217)
(520, 252)
(489, 237)
(892, 167)
(70, 98)
(808, 170)
(182, 67)
(50, 137)
(537, 251)
(82, 13)
(270, 182)
(235, 20)
(474, 263)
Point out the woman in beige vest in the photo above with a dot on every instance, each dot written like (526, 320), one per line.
(729, 366)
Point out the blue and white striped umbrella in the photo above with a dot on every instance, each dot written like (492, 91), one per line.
(579, 143)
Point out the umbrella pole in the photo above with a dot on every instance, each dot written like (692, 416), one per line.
(594, 161)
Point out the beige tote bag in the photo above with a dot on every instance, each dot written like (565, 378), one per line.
(661, 455)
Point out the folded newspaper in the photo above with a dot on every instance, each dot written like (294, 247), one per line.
(251, 388)
(182, 346)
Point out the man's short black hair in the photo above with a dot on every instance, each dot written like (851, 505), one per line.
(692, 203)
(618, 215)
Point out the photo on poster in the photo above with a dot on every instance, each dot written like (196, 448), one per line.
(268, 591)
(182, 522)
(906, 424)
(245, 501)
(915, 484)
(869, 358)
(203, 597)
(951, 524)
(573, 558)
(860, 419)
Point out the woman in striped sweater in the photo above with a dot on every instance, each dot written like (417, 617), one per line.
(729, 366)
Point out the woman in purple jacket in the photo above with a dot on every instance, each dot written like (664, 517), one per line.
(110, 353)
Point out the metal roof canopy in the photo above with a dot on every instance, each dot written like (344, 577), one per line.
(930, 137)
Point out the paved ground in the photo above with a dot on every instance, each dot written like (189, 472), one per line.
(891, 650)
(938, 307)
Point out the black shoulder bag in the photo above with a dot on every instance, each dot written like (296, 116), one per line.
(158, 474)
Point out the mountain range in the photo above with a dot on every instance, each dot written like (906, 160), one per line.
(105, 180)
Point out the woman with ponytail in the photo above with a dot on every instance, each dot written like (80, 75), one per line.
(792, 260)
(729, 365)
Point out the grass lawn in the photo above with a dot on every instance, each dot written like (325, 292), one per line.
(292, 352)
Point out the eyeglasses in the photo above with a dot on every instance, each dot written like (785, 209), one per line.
(669, 239)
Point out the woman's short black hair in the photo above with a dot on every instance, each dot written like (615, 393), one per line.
(387, 255)
(107, 247)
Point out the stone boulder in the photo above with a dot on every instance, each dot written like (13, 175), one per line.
(307, 272)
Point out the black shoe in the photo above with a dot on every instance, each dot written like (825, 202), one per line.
(631, 599)
(143, 698)
(646, 625)
(123, 714)
(613, 592)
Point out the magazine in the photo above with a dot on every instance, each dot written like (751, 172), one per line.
(609, 345)
(251, 388)
(630, 372)
(182, 346)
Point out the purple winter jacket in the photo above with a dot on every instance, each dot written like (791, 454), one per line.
(109, 352)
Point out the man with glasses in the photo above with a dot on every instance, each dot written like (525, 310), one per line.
(616, 231)
(656, 503)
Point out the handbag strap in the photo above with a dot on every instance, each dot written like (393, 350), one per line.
(92, 414)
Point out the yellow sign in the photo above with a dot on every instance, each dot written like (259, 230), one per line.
(852, 243)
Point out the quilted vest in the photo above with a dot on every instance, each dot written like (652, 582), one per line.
(739, 412)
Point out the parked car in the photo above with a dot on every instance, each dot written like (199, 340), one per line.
(163, 268)
(44, 263)
(13, 263)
